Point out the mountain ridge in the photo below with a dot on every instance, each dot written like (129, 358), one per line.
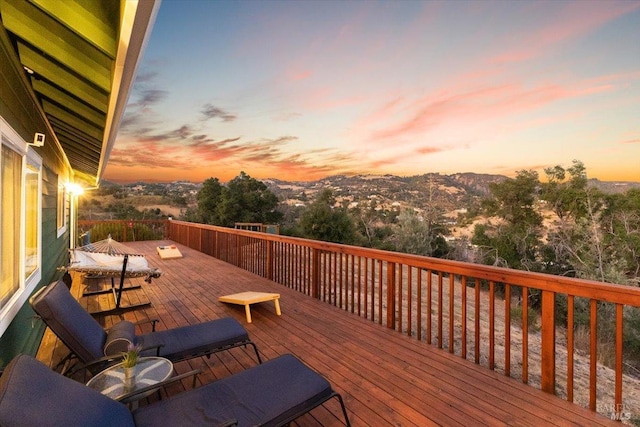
(448, 192)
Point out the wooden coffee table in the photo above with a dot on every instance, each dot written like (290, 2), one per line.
(248, 298)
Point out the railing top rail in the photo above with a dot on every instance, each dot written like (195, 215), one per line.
(608, 292)
(117, 221)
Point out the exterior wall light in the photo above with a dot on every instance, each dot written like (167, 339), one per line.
(74, 189)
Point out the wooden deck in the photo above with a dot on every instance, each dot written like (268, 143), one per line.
(385, 377)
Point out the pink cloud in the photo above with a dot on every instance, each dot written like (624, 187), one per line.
(467, 105)
(324, 98)
(429, 150)
(224, 157)
(301, 75)
(386, 110)
(573, 20)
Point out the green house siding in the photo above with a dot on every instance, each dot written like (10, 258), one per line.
(23, 336)
(55, 249)
(20, 111)
(26, 331)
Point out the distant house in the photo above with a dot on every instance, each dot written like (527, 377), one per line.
(65, 75)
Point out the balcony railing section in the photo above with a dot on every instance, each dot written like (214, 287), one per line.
(481, 313)
(121, 230)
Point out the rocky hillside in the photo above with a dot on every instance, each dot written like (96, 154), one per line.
(613, 186)
(448, 192)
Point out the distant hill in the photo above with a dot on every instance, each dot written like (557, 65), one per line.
(613, 186)
(448, 192)
(451, 194)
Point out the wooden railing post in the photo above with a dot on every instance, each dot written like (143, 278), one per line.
(238, 254)
(315, 273)
(391, 295)
(270, 260)
(548, 362)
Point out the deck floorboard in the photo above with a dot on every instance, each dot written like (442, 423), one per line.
(385, 378)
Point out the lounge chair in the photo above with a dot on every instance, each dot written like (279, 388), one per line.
(95, 347)
(271, 394)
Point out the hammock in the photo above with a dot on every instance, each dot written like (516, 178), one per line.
(107, 257)
(110, 258)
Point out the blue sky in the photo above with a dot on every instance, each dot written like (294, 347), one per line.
(300, 90)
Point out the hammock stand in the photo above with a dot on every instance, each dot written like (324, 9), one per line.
(112, 259)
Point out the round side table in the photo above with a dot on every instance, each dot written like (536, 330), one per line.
(148, 371)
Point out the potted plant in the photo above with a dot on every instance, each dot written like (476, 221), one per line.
(129, 362)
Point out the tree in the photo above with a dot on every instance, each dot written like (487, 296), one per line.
(515, 239)
(414, 234)
(243, 199)
(370, 224)
(120, 210)
(588, 240)
(566, 197)
(209, 199)
(323, 221)
(248, 200)
(620, 222)
(597, 237)
(514, 199)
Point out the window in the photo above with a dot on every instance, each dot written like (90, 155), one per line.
(62, 209)
(20, 222)
(32, 220)
(10, 180)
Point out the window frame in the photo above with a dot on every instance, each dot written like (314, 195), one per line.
(34, 161)
(62, 209)
(31, 163)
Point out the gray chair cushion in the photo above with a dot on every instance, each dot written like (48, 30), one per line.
(86, 339)
(31, 394)
(119, 337)
(268, 394)
(192, 340)
(69, 321)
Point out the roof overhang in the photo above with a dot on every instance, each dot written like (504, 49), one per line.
(80, 58)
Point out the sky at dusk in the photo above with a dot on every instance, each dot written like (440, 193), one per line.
(301, 90)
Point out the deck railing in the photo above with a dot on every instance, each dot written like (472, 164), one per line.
(121, 230)
(478, 312)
